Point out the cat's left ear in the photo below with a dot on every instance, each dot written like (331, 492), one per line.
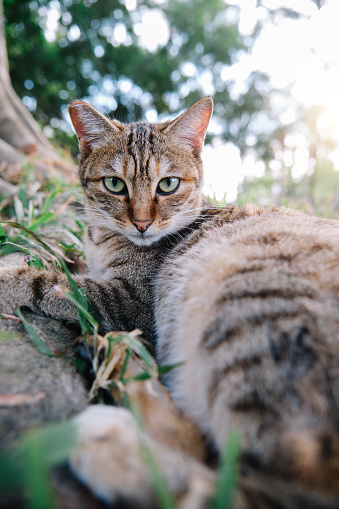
(189, 129)
(92, 128)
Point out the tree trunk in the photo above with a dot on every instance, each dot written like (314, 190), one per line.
(21, 139)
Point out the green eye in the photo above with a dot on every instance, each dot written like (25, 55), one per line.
(169, 184)
(114, 185)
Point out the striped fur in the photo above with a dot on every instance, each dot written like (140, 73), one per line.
(252, 311)
(246, 298)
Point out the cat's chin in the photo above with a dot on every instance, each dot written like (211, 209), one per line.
(143, 240)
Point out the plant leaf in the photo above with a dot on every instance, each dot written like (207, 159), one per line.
(41, 220)
(33, 261)
(48, 202)
(228, 474)
(137, 347)
(40, 495)
(79, 298)
(32, 234)
(2, 232)
(166, 368)
(82, 311)
(35, 336)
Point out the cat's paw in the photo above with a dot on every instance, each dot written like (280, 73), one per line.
(116, 460)
(107, 456)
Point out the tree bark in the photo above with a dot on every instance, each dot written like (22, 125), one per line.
(20, 136)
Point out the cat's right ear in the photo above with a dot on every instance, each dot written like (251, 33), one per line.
(92, 128)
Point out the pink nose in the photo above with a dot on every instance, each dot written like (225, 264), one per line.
(142, 226)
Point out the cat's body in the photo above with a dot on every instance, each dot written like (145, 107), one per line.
(247, 298)
(263, 327)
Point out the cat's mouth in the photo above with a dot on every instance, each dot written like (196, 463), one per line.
(144, 238)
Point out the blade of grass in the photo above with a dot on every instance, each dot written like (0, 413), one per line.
(23, 243)
(124, 366)
(83, 314)
(33, 261)
(35, 336)
(6, 316)
(32, 234)
(80, 365)
(166, 368)
(25, 466)
(162, 370)
(137, 347)
(57, 440)
(19, 208)
(70, 248)
(48, 201)
(22, 194)
(41, 220)
(81, 226)
(2, 233)
(80, 300)
(158, 481)
(228, 474)
(37, 481)
(10, 247)
(11, 471)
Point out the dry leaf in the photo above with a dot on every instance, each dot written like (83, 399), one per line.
(20, 399)
(10, 317)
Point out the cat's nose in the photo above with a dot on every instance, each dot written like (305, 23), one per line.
(142, 226)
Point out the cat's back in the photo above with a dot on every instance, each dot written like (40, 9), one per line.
(250, 304)
(244, 244)
(256, 247)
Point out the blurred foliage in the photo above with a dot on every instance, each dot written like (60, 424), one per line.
(315, 193)
(127, 78)
(60, 50)
(301, 173)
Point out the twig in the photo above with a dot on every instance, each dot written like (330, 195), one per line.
(10, 317)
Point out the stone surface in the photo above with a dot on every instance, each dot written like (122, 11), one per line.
(58, 393)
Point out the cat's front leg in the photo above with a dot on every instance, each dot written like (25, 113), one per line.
(119, 306)
(107, 457)
(36, 289)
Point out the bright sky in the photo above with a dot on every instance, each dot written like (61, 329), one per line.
(302, 55)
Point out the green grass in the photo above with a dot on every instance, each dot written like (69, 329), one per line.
(34, 222)
(228, 474)
(26, 466)
(34, 335)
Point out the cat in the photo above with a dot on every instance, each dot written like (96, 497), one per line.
(245, 298)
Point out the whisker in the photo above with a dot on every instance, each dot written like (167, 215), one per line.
(67, 197)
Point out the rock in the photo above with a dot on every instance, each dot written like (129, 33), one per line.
(57, 391)
(36, 389)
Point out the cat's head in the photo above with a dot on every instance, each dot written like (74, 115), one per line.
(141, 180)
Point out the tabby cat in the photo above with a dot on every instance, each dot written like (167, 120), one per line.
(246, 298)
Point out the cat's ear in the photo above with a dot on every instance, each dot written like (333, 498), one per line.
(189, 129)
(92, 128)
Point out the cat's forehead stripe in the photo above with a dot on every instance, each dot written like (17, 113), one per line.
(140, 143)
(138, 136)
(141, 135)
